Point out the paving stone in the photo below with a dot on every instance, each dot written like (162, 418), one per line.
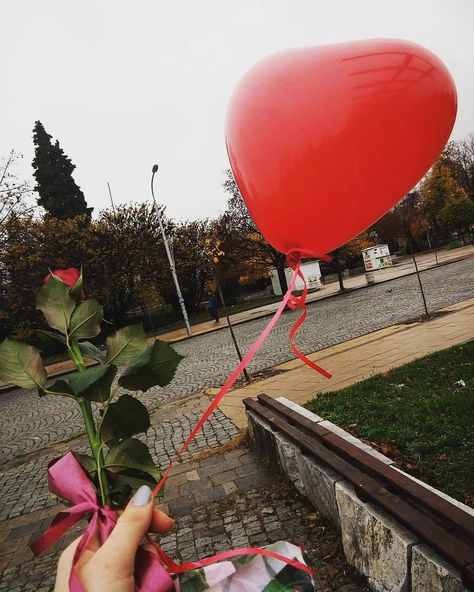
(229, 487)
(21, 531)
(224, 477)
(176, 480)
(213, 494)
(256, 480)
(191, 487)
(181, 506)
(219, 467)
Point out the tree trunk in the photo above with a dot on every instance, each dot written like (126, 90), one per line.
(282, 277)
(338, 270)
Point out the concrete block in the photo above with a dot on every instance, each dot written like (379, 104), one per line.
(301, 410)
(288, 459)
(319, 486)
(263, 438)
(373, 543)
(430, 573)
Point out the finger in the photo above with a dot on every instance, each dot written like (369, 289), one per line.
(161, 523)
(116, 558)
(92, 546)
(65, 566)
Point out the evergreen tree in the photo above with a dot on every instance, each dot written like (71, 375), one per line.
(58, 193)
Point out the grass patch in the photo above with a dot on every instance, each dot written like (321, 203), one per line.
(416, 415)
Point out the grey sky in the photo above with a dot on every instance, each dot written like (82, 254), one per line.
(123, 85)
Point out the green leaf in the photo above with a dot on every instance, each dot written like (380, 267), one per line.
(125, 345)
(120, 495)
(125, 418)
(126, 483)
(76, 292)
(21, 364)
(86, 320)
(87, 463)
(60, 387)
(131, 454)
(156, 365)
(89, 350)
(45, 335)
(93, 384)
(56, 304)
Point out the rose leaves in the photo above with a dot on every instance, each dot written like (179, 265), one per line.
(126, 460)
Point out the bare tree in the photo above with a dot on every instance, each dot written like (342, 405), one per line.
(239, 217)
(12, 195)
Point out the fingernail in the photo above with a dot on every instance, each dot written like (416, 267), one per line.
(142, 496)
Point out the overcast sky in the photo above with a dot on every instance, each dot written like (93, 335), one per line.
(123, 85)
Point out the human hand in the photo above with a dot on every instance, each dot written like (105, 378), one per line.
(110, 567)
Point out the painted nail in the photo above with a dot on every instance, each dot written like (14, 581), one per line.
(142, 496)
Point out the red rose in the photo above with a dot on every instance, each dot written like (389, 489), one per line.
(68, 276)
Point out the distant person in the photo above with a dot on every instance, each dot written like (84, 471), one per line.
(212, 306)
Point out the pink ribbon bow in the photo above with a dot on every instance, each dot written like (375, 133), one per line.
(68, 480)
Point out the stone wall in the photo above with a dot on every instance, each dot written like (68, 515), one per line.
(392, 558)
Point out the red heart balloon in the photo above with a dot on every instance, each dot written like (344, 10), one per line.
(324, 140)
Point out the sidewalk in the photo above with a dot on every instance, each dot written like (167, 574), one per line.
(405, 267)
(357, 359)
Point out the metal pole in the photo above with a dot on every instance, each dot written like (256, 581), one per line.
(247, 377)
(111, 198)
(170, 258)
(435, 248)
(421, 286)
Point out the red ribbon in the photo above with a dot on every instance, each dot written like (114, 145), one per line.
(296, 303)
(293, 302)
(178, 568)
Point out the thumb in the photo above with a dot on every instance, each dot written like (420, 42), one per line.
(118, 552)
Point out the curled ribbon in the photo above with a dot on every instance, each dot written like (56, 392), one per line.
(294, 302)
(67, 479)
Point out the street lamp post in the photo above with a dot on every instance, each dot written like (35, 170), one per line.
(170, 258)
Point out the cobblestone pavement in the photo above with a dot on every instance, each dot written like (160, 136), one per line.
(170, 427)
(28, 424)
(229, 500)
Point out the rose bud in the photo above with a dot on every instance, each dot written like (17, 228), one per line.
(68, 276)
